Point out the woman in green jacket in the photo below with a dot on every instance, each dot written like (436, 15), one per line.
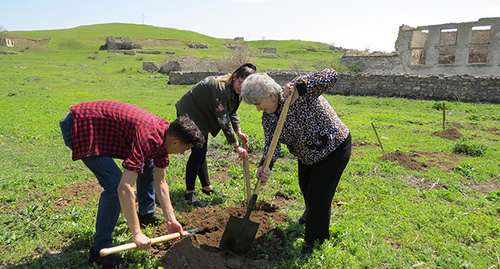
(212, 104)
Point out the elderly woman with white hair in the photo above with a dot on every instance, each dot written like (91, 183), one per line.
(313, 133)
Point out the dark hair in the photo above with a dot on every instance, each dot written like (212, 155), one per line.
(184, 129)
(243, 71)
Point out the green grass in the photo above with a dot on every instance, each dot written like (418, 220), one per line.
(388, 222)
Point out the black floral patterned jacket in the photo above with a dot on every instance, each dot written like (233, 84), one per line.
(312, 129)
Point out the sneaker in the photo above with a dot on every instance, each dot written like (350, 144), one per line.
(193, 199)
(212, 191)
(300, 220)
(109, 261)
(149, 219)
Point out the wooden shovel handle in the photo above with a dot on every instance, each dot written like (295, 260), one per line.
(276, 136)
(106, 251)
(246, 168)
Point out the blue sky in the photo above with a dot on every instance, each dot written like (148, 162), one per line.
(354, 24)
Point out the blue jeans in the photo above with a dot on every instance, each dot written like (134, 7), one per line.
(109, 174)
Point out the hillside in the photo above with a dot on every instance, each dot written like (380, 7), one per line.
(291, 54)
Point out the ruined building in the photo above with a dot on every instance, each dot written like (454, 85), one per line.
(455, 48)
(5, 42)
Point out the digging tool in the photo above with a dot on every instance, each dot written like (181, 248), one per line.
(246, 167)
(106, 251)
(239, 233)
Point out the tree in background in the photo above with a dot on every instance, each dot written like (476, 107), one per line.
(3, 32)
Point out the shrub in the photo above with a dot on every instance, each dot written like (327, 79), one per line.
(466, 146)
(465, 169)
(437, 106)
(354, 68)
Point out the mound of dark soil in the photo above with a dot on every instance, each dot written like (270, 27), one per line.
(404, 160)
(201, 250)
(450, 134)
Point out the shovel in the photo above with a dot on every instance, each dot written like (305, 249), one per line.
(106, 251)
(239, 233)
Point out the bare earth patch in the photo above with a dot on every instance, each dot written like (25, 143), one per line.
(78, 193)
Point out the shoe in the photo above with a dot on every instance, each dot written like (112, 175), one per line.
(193, 199)
(212, 191)
(149, 219)
(300, 220)
(306, 250)
(109, 261)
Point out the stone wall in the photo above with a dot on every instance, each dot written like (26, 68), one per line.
(432, 87)
(374, 63)
(190, 77)
(426, 87)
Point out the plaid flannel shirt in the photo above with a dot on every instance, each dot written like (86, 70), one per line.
(119, 130)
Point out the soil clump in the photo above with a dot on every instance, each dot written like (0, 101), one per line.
(450, 134)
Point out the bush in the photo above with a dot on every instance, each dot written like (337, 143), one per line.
(465, 169)
(466, 146)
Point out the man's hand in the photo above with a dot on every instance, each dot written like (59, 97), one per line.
(175, 227)
(142, 241)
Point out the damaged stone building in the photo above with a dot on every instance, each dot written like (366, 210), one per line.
(469, 48)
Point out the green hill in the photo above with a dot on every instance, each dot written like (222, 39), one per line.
(291, 54)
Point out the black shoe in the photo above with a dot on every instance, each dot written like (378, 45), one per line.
(149, 219)
(193, 199)
(109, 261)
(300, 220)
(306, 250)
(212, 191)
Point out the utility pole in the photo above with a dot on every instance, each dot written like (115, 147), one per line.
(142, 17)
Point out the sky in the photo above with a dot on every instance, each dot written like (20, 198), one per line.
(363, 25)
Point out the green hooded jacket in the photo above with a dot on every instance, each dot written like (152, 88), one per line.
(212, 104)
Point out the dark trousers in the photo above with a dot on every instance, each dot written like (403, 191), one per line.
(318, 183)
(197, 166)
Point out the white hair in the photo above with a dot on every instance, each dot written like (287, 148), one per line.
(258, 87)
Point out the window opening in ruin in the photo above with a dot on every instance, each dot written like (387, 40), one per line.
(480, 34)
(446, 55)
(478, 54)
(418, 57)
(479, 44)
(419, 39)
(448, 37)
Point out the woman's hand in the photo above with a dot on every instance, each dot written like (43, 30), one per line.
(242, 153)
(243, 137)
(263, 176)
(287, 90)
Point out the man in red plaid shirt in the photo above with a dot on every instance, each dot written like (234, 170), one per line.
(99, 131)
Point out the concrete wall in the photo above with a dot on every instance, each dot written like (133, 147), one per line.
(455, 48)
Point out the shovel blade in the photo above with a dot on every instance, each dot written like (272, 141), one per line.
(239, 235)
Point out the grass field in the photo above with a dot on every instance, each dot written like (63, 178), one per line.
(390, 217)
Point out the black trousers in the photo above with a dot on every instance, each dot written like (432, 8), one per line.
(197, 166)
(318, 183)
